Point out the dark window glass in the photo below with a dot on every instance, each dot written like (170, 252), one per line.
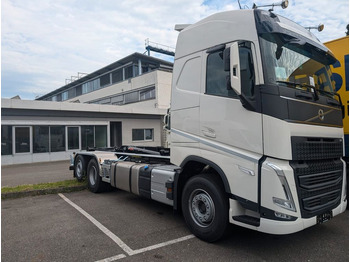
(138, 134)
(129, 72)
(40, 139)
(148, 94)
(87, 136)
(6, 140)
(142, 134)
(59, 97)
(217, 77)
(22, 139)
(247, 69)
(144, 69)
(71, 93)
(131, 97)
(105, 80)
(73, 138)
(101, 136)
(148, 134)
(78, 90)
(117, 76)
(57, 138)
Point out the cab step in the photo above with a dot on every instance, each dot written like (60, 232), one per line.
(253, 221)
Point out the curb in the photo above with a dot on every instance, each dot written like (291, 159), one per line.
(39, 192)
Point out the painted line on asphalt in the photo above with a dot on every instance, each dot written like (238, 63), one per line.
(105, 230)
(167, 243)
(117, 240)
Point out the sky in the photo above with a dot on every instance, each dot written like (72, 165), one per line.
(44, 42)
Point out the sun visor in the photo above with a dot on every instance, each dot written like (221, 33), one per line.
(270, 23)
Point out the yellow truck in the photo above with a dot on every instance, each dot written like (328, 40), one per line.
(340, 70)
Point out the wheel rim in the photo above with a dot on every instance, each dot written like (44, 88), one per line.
(79, 169)
(201, 207)
(92, 175)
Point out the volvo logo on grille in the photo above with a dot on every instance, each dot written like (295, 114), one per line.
(321, 114)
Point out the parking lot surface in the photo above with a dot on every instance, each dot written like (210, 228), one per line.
(35, 173)
(118, 226)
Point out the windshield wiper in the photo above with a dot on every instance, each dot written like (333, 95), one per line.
(330, 94)
(310, 88)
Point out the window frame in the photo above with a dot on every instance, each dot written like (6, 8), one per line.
(208, 54)
(144, 135)
(14, 152)
(49, 145)
(67, 138)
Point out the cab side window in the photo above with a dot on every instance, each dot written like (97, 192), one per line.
(247, 69)
(217, 77)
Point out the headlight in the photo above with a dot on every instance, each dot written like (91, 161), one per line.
(287, 203)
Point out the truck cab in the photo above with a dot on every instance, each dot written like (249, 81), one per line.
(253, 105)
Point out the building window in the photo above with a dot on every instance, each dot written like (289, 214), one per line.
(87, 136)
(22, 139)
(78, 90)
(142, 134)
(6, 140)
(71, 93)
(217, 77)
(93, 136)
(41, 139)
(57, 138)
(117, 76)
(131, 97)
(101, 136)
(91, 86)
(64, 96)
(59, 97)
(105, 80)
(73, 137)
(129, 72)
(117, 100)
(148, 94)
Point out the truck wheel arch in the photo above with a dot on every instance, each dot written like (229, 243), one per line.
(180, 180)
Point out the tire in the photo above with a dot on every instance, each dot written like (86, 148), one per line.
(96, 185)
(205, 207)
(79, 168)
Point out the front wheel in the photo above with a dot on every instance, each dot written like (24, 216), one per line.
(205, 207)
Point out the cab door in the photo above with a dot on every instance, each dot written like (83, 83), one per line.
(231, 134)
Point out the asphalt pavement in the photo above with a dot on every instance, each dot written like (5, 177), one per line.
(35, 173)
(83, 226)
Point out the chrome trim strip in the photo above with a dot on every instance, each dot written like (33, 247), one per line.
(246, 170)
(211, 144)
(315, 117)
(307, 102)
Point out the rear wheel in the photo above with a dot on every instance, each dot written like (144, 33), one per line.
(205, 207)
(79, 168)
(96, 185)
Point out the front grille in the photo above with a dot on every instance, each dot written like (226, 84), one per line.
(319, 185)
(314, 148)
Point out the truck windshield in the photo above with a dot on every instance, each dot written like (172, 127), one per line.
(297, 65)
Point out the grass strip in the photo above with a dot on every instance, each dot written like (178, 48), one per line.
(42, 189)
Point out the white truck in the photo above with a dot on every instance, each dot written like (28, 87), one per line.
(256, 131)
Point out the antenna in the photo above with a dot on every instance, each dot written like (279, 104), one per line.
(319, 28)
(283, 4)
(240, 7)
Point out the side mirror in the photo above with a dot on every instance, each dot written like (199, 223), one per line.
(235, 69)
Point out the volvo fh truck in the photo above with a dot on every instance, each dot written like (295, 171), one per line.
(256, 132)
